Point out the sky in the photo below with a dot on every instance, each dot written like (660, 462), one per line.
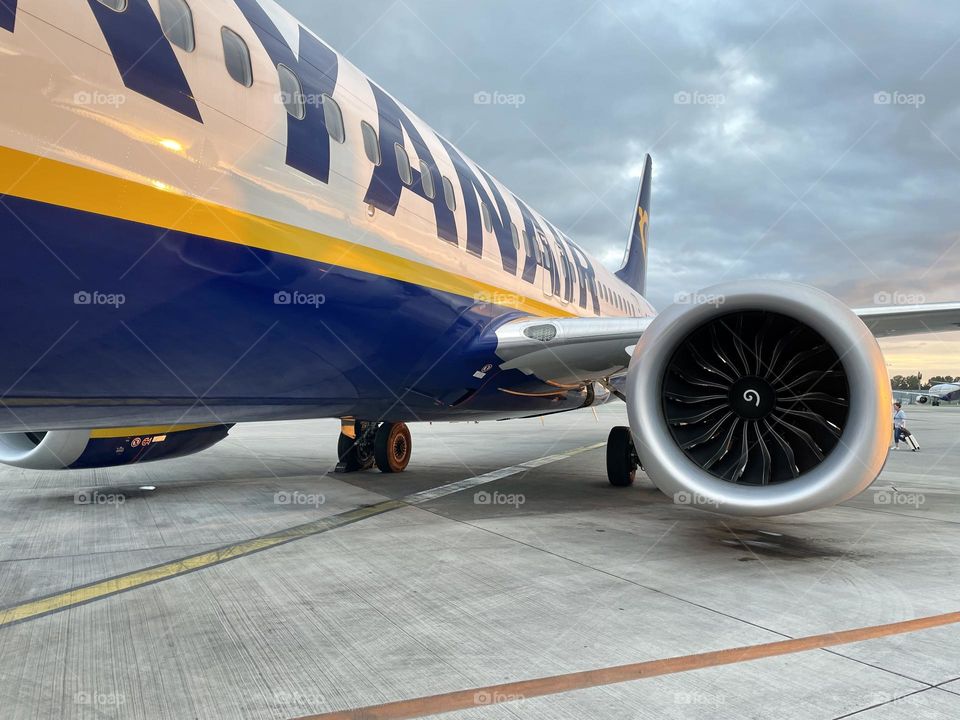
(817, 142)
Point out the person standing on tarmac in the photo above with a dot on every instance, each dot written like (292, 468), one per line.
(899, 422)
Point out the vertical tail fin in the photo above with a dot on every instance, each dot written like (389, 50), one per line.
(634, 269)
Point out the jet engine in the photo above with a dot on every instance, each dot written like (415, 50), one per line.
(76, 449)
(759, 398)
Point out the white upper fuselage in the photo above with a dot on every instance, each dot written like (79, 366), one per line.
(237, 157)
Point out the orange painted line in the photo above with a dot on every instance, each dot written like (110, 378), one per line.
(508, 692)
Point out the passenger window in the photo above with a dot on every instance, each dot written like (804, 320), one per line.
(515, 235)
(177, 22)
(291, 92)
(531, 248)
(403, 164)
(426, 178)
(237, 56)
(333, 119)
(547, 257)
(487, 220)
(371, 145)
(449, 195)
(115, 5)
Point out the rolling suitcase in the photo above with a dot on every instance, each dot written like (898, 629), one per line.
(911, 440)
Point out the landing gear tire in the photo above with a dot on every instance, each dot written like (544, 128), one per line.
(392, 447)
(621, 458)
(356, 453)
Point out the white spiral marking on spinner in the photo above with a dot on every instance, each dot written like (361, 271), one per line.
(752, 396)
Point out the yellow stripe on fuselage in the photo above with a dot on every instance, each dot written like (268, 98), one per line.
(41, 179)
(137, 431)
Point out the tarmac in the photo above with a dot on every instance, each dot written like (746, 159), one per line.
(249, 581)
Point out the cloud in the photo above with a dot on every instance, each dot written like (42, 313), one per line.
(819, 141)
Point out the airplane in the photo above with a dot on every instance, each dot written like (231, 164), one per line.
(943, 392)
(210, 217)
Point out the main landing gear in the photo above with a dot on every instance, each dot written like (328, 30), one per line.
(622, 461)
(365, 444)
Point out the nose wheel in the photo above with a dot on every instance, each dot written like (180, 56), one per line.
(622, 462)
(392, 447)
(364, 444)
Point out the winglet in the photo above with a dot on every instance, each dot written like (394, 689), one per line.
(634, 269)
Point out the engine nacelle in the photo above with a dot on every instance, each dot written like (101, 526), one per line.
(763, 399)
(77, 449)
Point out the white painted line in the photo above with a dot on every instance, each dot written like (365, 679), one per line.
(493, 475)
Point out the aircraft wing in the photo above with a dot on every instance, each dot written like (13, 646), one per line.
(911, 319)
(571, 350)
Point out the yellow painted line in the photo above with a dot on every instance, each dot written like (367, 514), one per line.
(50, 181)
(175, 568)
(101, 589)
(553, 685)
(134, 431)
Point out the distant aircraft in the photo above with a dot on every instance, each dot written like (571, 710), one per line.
(944, 392)
(210, 217)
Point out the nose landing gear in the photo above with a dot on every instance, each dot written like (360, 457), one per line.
(622, 461)
(364, 444)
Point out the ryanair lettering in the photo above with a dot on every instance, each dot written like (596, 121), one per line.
(144, 56)
(308, 142)
(474, 193)
(148, 65)
(386, 185)
(8, 14)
